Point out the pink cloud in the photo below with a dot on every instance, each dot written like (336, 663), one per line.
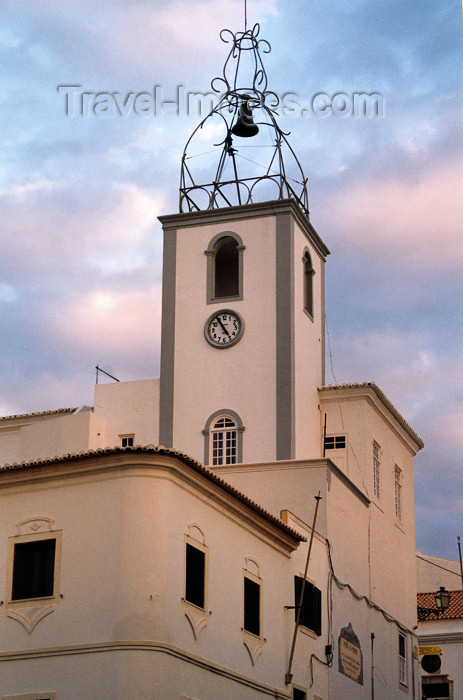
(420, 221)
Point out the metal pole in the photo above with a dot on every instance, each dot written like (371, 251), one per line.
(461, 565)
(324, 436)
(289, 675)
(372, 666)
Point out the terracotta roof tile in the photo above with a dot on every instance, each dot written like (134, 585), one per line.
(385, 401)
(152, 449)
(453, 612)
(38, 413)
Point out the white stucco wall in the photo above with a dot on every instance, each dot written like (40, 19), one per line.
(345, 519)
(308, 350)
(119, 630)
(241, 377)
(128, 408)
(120, 408)
(362, 418)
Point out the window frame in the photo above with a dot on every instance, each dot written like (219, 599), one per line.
(208, 436)
(257, 581)
(336, 438)
(315, 611)
(37, 601)
(128, 437)
(308, 285)
(211, 298)
(202, 547)
(403, 661)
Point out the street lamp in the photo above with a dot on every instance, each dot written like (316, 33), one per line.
(442, 598)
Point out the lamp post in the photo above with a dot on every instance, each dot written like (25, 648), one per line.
(442, 598)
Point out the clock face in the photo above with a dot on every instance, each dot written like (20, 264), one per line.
(223, 328)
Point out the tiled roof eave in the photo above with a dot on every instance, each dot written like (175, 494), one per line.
(152, 449)
(355, 386)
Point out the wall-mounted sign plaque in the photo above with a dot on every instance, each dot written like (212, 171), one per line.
(350, 655)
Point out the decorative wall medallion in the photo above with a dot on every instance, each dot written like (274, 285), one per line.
(350, 654)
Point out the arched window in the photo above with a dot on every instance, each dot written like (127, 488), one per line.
(225, 267)
(308, 283)
(223, 435)
(224, 441)
(226, 273)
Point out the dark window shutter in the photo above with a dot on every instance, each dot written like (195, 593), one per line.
(311, 612)
(251, 606)
(195, 574)
(33, 569)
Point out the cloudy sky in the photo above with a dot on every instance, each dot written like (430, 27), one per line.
(80, 263)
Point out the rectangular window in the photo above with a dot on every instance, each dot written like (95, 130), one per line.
(311, 611)
(398, 492)
(335, 442)
(402, 660)
(127, 440)
(251, 606)
(376, 470)
(195, 575)
(299, 694)
(33, 569)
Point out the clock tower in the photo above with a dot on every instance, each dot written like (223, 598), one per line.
(242, 352)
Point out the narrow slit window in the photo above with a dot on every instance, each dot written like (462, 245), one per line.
(402, 660)
(195, 575)
(252, 601)
(308, 283)
(226, 268)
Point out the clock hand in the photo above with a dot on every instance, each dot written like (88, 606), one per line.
(223, 327)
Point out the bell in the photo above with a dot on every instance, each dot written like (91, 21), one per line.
(244, 125)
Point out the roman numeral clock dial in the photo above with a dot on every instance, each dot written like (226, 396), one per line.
(224, 328)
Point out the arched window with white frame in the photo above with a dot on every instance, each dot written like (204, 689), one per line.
(223, 439)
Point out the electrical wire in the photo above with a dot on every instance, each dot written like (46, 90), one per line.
(438, 566)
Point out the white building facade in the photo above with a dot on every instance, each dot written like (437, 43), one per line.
(133, 571)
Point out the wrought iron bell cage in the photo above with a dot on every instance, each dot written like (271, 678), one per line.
(241, 112)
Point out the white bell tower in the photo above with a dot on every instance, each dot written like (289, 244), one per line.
(242, 352)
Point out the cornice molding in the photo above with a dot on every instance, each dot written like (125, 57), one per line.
(153, 646)
(440, 638)
(370, 392)
(154, 462)
(247, 211)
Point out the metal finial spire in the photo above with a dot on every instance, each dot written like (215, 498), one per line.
(245, 16)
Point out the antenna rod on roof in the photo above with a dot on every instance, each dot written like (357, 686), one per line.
(461, 565)
(98, 369)
(245, 17)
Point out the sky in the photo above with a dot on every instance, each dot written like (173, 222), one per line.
(81, 190)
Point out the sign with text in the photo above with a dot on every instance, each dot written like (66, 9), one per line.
(350, 654)
(436, 651)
